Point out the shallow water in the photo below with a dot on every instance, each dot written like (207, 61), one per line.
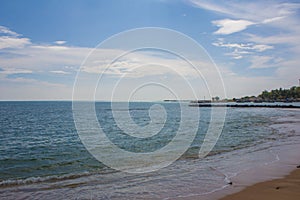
(42, 156)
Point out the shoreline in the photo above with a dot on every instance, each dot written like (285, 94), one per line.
(231, 171)
(286, 161)
(277, 170)
(259, 183)
(277, 189)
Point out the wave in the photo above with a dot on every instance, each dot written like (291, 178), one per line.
(31, 180)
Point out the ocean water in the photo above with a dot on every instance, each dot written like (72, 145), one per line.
(42, 156)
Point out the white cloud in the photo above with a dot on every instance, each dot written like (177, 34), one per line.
(61, 59)
(278, 29)
(11, 39)
(245, 46)
(60, 42)
(12, 42)
(50, 58)
(7, 31)
(59, 72)
(133, 65)
(241, 49)
(238, 54)
(265, 14)
(256, 11)
(41, 59)
(50, 47)
(15, 71)
(229, 26)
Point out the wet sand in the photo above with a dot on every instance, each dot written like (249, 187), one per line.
(287, 188)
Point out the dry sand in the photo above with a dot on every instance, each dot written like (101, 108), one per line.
(287, 188)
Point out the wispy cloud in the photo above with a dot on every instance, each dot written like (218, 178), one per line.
(59, 72)
(291, 38)
(259, 62)
(266, 36)
(256, 11)
(280, 18)
(274, 19)
(45, 58)
(240, 49)
(238, 54)
(31, 81)
(6, 31)
(53, 67)
(228, 26)
(245, 46)
(243, 14)
(58, 59)
(15, 71)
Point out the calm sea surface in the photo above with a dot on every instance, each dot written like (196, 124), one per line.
(41, 152)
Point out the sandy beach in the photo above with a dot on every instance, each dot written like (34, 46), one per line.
(287, 188)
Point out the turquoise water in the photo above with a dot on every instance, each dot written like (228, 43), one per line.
(39, 141)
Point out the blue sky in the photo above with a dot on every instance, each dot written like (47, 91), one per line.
(255, 44)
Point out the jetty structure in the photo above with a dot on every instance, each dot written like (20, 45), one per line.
(278, 98)
(248, 105)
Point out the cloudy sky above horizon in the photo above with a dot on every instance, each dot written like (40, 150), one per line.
(255, 45)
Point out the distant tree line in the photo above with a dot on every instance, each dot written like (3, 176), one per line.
(284, 95)
(281, 94)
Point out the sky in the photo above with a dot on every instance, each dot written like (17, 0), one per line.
(43, 44)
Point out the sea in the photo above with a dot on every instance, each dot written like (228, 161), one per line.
(42, 155)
